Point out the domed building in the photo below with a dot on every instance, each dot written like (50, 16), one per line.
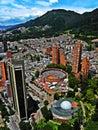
(65, 105)
(64, 109)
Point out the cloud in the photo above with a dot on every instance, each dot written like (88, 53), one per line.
(26, 0)
(6, 1)
(43, 3)
(18, 6)
(21, 12)
(17, 14)
(53, 1)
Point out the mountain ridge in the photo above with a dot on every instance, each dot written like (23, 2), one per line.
(58, 21)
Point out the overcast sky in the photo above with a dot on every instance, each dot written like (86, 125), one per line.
(19, 11)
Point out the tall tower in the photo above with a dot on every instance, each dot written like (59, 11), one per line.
(62, 58)
(3, 73)
(58, 56)
(85, 67)
(17, 82)
(77, 57)
(55, 54)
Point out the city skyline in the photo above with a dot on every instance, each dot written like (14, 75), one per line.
(15, 12)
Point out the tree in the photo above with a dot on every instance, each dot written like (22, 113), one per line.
(16, 48)
(24, 125)
(40, 125)
(48, 127)
(84, 85)
(56, 96)
(92, 126)
(4, 128)
(65, 126)
(95, 115)
(46, 113)
(68, 69)
(90, 95)
(37, 73)
(71, 94)
(38, 58)
(90, 47)
(32, 78)
(43, 125)
(4, 111)
(72, 81)
(46, 103)
(93, 83)
(76, 125)
(53, 65)
(89, 110)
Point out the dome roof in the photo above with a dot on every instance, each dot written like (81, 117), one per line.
(65, 105)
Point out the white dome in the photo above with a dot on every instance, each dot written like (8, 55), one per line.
(65, 105)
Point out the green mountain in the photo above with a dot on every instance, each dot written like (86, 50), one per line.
(59, 21)
(88, 24)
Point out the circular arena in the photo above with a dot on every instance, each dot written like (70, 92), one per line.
(53, 75)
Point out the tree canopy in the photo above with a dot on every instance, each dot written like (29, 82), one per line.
(24, 125)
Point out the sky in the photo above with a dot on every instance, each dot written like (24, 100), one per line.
(19, 11)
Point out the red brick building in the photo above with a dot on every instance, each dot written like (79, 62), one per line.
(3, 73)
(62, 58)
(76, 57)
(55, 54)
(85, 67)
(58, 56)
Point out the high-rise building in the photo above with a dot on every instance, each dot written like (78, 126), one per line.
(58, 56)
(76, 66)
(17, 82)
(55, 54)
(62, 58)
(85, 67)
(3, 73)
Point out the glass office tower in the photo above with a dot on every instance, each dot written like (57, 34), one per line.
(17, 81)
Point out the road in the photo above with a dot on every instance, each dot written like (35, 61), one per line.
(13, 124)
(84, 115)
(83, 109)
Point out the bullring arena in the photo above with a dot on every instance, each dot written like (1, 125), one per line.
(53, 75)
(51, 81)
